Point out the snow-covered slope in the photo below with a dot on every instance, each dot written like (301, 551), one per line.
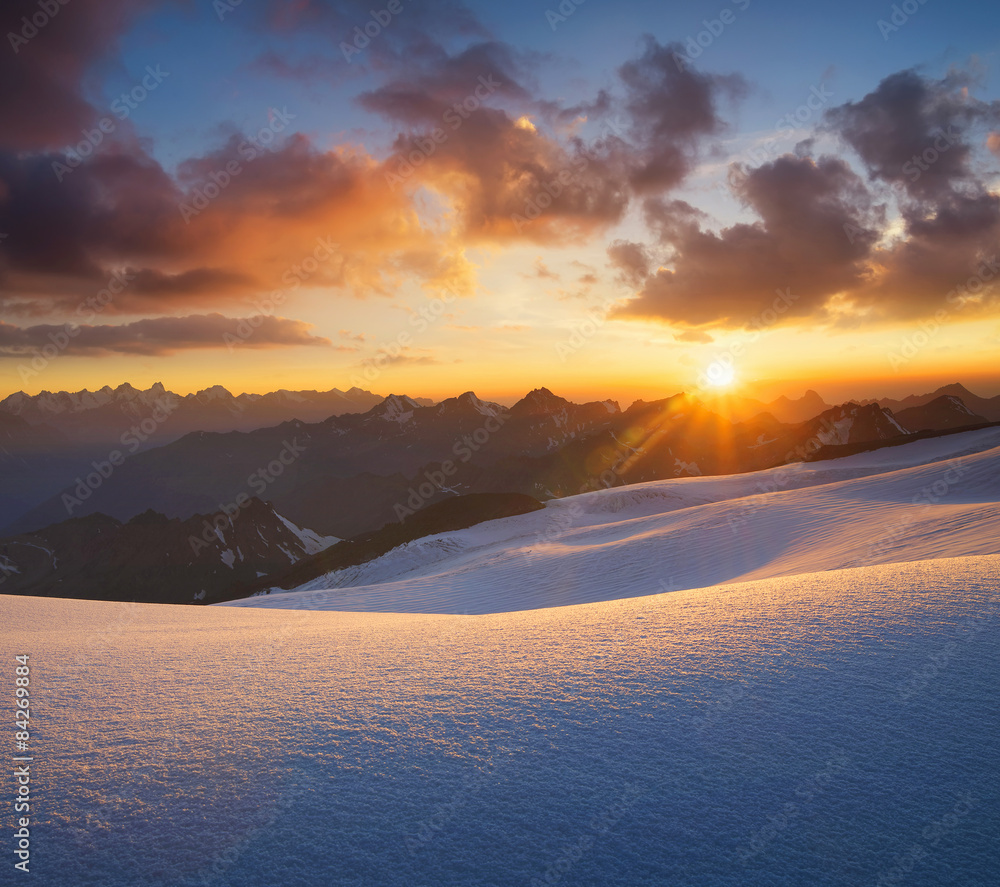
(829, 730)
(928, 499)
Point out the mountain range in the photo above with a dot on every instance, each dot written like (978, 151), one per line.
(352, 473)
(48, 439)
(155, 559)
(101, 416)
(988, 407)
(367, 476)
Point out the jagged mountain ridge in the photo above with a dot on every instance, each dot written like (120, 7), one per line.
(152, 558)
(48, 439)
(987, 407)
(99, 415)
(295, 461)
(946, 411)
(356, 472)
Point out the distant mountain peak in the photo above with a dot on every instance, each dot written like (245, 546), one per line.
(956, 389)
(395, 408)
(469, 403)
(539, 400)
(215, 392)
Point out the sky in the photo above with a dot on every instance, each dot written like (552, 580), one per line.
(611, 200)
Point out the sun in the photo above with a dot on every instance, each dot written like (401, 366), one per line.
(720, 374)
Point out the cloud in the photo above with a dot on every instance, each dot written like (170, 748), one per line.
(42, 102)
(697, 337)
(410, 36)
(156, 337)
(913, 132)
(799, 244)
(466, 137)
(488, 166)
(920, 136)
(826, 236)
(251, 240)
(671, 107)
(541, 271)
(632, 260)
(405, 357)
(501, 179)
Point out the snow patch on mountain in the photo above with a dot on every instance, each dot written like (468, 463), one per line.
(312, 542)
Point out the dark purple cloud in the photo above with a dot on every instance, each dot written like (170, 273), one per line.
(798, 246)
(155, 336)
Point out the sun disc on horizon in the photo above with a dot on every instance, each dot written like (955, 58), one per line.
(720, 374)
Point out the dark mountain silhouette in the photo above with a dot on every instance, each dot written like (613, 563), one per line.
(320, 469)
(102, 416)
(353, 473)
(946, 411)
(56, 437)
(987, 407)
(784, 409)
(152, 558)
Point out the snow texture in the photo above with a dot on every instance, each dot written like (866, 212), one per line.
(829, 729)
